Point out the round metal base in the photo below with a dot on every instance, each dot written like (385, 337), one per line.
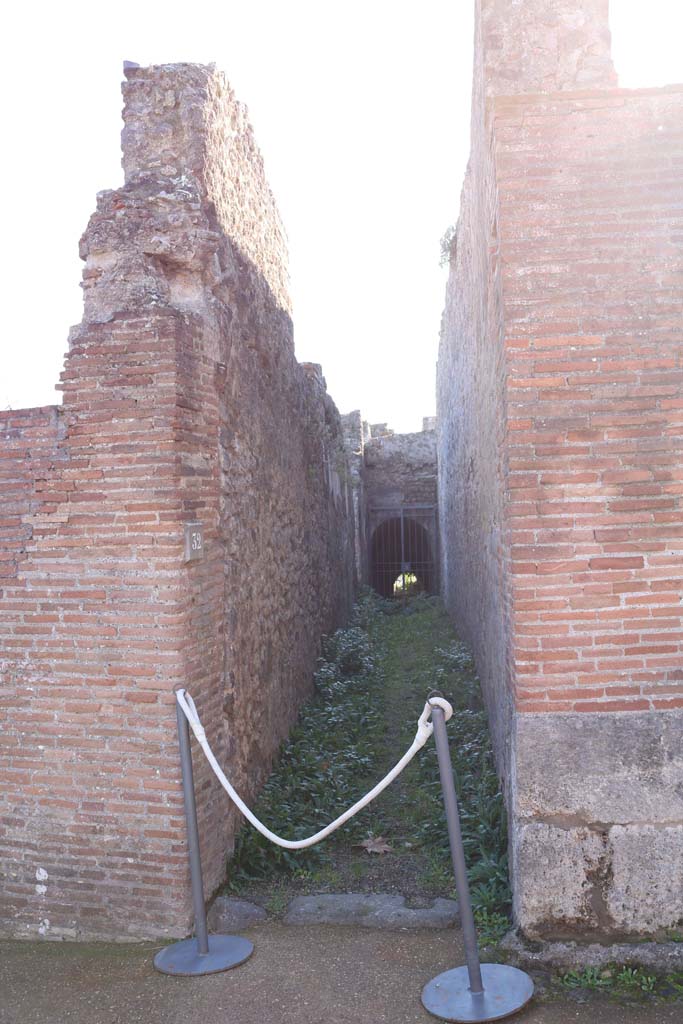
(506, 990)
(225, 951)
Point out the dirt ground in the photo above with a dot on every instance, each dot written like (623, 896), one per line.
(297, 975)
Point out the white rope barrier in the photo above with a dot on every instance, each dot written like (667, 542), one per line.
(424, 731)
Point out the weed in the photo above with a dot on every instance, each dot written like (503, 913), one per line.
(482, 812)
(323, 764)
(674, 984)
(277, 903)
(621, 981)
(592, 978)
(635, 978)
(491, 926)
(438, 877)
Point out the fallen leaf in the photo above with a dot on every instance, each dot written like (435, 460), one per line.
(375, 844)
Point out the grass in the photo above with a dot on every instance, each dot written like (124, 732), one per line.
(371, 685)
(624, 982)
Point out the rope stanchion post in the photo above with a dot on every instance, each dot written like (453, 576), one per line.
(476, 992)
(203, 954)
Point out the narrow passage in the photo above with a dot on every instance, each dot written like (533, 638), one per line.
(371, 688)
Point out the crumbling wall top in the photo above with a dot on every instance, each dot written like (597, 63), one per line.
(534, 46)
(196, 210)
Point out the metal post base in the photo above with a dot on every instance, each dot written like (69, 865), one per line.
(184, 958)
(506, 990)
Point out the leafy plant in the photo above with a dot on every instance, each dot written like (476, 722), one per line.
(323, 765)
(491, 926)
(590, 978)
(635, 978)
(624, 981)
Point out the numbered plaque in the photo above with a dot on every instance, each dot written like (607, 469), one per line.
(194, 542)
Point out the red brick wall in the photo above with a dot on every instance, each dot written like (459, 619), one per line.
(29, 451)
(591, 223)
(91, 647)
(182, 402)
(560, 449)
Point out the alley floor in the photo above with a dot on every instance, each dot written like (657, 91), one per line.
(297, 975)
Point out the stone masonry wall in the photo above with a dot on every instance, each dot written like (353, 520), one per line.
(471, 430)
(183, 403)
(582, 234)
(399, 472)
(400, 469)
(354, 438)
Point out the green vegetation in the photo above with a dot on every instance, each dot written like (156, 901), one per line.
(371, 685)
(619, 981)
(322, 766)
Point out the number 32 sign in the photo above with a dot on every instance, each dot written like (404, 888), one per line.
(194, 541)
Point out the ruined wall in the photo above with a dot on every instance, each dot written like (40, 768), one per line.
(584, 192)
(400, 469)
(399, 472)
(183, 403)
(356, 431)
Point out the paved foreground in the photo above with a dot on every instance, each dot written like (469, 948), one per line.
(297, 975)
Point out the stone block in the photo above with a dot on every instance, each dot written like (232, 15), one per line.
(229, 915)
(646, 887)
(370, 911)
(556, 872)
(611, 768)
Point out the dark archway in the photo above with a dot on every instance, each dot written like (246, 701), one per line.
(400, 545)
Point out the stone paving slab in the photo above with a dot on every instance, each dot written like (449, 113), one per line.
(229, 915)
(305, 975)
(370, 911)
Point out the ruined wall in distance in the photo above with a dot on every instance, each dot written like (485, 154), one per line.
(400, 469)
(400, 473)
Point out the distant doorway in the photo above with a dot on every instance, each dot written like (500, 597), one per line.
(401, 555)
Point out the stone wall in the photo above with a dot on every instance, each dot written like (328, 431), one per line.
(399, 473)
(560, 395)
(183, 403)
(471, 424)
(400, 469)
(356, 432)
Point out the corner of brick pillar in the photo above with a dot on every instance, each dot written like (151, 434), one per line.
(596, 731)
(140, 398)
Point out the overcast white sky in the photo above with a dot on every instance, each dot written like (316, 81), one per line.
(362, 112)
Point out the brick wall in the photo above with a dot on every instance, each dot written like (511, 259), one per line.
(593, 310)
(183, 402)
(572, 216)
(471, 425)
